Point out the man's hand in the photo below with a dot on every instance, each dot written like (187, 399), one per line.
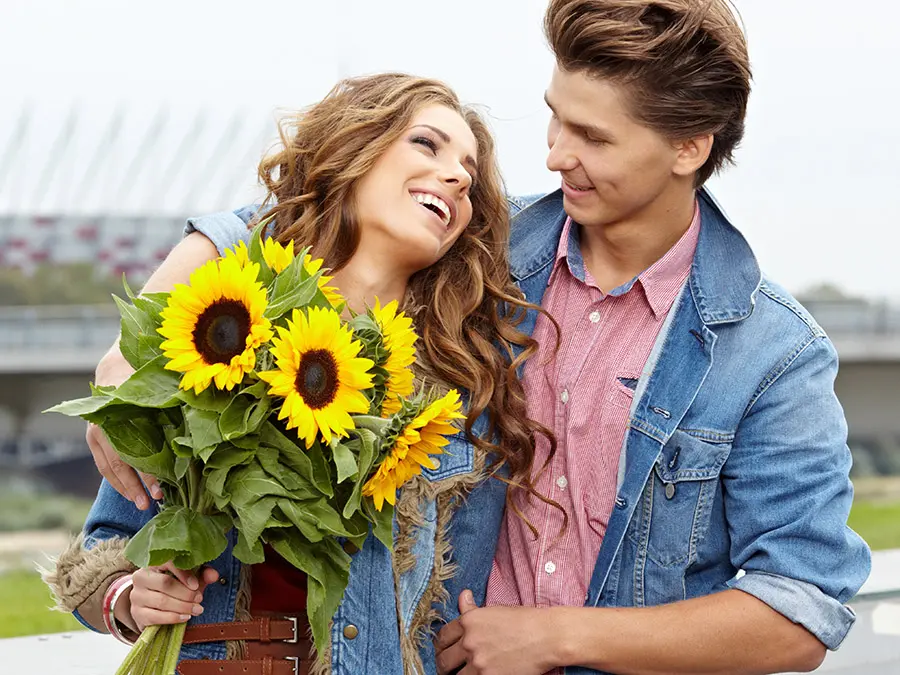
(113, 369)
(495, 641)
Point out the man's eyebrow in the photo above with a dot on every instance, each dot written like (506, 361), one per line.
(468, 161)
(588, 129)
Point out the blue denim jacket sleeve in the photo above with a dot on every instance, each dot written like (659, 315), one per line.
(224, 229)
(112, 516)
(790, 454)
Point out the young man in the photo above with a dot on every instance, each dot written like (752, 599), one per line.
(701, 465)
(692, 398)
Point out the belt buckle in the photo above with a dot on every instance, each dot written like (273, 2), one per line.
(293, 640)
(296, 662)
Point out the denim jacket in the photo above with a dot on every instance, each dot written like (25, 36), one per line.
(734, 468)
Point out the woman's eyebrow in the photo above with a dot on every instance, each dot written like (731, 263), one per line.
(444, 136)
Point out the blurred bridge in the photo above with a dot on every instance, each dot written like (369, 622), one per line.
(48, 354)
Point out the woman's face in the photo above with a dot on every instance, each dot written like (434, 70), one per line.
(414, 203)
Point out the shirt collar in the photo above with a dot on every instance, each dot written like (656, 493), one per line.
(662, 281)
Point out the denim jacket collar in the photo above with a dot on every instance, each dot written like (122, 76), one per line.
(725, 276)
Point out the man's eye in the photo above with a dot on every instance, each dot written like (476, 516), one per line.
(427, 142)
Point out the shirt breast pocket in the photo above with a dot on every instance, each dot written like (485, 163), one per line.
(458, 458)
(679, 497)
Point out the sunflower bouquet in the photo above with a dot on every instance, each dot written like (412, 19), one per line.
(262, 411)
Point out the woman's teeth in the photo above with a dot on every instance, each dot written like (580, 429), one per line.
(440, 206)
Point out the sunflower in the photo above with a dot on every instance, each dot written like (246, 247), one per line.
(425, 436)
(213, 326)
(279, 256)
(319, 375)
(331, 293)
(399, 340)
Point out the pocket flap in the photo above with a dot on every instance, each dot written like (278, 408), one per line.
(687, 458)
(458, 458)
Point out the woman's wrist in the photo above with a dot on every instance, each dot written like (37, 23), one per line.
(117, 610)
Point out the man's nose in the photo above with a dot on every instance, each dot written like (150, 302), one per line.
(561, 157)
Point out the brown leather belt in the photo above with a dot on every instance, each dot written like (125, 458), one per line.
(276, 645)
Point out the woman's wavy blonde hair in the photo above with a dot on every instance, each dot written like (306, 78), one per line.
(467, 322)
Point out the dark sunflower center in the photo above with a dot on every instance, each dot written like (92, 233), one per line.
(221, 331)
(317, 378)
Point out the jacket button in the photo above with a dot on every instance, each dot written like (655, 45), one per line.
(223, 580)
(621, 502)
(350, 631)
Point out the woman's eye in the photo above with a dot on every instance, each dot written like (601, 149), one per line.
(427, 142)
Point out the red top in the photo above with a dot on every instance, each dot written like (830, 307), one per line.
(277, 586)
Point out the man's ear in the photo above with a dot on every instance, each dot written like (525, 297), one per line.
(692, 154)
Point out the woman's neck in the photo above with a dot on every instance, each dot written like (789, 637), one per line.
(364, 279)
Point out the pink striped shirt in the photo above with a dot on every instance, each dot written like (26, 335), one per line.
(582, 394)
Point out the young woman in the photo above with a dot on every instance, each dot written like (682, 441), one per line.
(395, 185)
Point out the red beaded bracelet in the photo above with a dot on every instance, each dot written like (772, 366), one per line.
(113, 593)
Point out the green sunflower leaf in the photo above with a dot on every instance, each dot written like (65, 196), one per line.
(321, 470)
(366, 454)
(293, 482)
(151, 386)
(83, 406)
(203, 426)
(187, 538)
(253, 515)
(290, 454)
(344, 460)
(244, 415)
(382, 522)
(289, 292)
(255, 252)
(210, 399)
(301, 519)
(228, 456)
(136, 323)
(247, 553)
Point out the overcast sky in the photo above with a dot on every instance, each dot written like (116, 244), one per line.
(197, 84)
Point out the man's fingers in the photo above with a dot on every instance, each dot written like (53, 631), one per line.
(93, 436)
(466, 602)
(121, 477)
(450, 659)
(152, 485)
(448, 635)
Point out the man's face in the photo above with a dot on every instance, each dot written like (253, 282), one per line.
(612, 168)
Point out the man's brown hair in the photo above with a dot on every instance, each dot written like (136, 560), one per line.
(682, 63)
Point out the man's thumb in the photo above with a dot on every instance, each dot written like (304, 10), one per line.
(466, 602)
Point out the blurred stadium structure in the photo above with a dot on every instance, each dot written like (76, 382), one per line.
(113, 201)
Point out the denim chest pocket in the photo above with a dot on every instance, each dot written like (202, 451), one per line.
(458, 458)
(678, 498)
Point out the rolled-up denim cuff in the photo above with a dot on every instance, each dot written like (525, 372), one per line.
(223, 229)
(802, 603)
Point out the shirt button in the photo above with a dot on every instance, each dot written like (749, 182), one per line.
(564, 396)
(562, 482)
(594, 317)
(351, 631)
(549, 567)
